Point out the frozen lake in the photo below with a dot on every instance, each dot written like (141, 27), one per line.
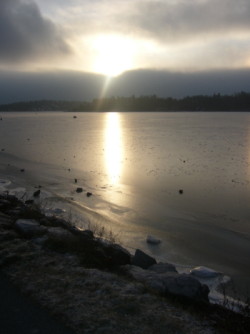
(135, 164)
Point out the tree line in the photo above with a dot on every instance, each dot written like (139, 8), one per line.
(216, 102)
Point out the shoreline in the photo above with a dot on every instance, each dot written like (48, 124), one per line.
(63, 282)
(214, 282)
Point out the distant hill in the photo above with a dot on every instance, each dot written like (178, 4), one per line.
(216, 102)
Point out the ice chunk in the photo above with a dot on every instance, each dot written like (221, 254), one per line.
(204, 272)
(4, 183)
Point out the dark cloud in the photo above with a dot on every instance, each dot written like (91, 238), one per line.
(68, 85)
(25, 34)
(181, 20)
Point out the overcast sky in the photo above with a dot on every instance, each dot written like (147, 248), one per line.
(110, 37)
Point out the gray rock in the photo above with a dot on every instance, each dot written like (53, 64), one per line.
(87, 234)
(29, 228)
(181, 285)
(162, 268)
(142, 259)
(117, 254)
(185, 285)
(37, 193)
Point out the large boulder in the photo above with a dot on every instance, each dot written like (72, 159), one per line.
(29, 228)
(142, 260)
(117, 255)
(171, 283)
(185, 285)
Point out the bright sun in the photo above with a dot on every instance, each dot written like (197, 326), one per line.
(113, 54)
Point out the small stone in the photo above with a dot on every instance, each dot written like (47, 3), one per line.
(152, 240)
(37, 193)
(181, 191)
(79, 190)
(117, 254)
(89, 194)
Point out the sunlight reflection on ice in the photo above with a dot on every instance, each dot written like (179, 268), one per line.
(113, 147)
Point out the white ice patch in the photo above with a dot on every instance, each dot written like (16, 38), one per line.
(54, 212)
(204, 272)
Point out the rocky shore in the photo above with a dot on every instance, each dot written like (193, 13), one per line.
(97, 286)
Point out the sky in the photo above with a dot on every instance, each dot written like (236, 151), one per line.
(107, 38)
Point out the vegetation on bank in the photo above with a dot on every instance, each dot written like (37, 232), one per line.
(216, 102)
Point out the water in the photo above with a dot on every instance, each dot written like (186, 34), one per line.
(135, 164)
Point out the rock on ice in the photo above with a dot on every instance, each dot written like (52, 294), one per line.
(153, 240)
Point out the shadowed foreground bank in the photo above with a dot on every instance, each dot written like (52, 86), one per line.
(83, 284)
(18, 314)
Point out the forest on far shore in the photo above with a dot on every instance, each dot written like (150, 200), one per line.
(216, 102)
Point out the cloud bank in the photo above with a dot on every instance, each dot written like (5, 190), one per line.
(69, 85)
(26, 35)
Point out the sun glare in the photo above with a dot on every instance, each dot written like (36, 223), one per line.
(113, 54)
(113, 147)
